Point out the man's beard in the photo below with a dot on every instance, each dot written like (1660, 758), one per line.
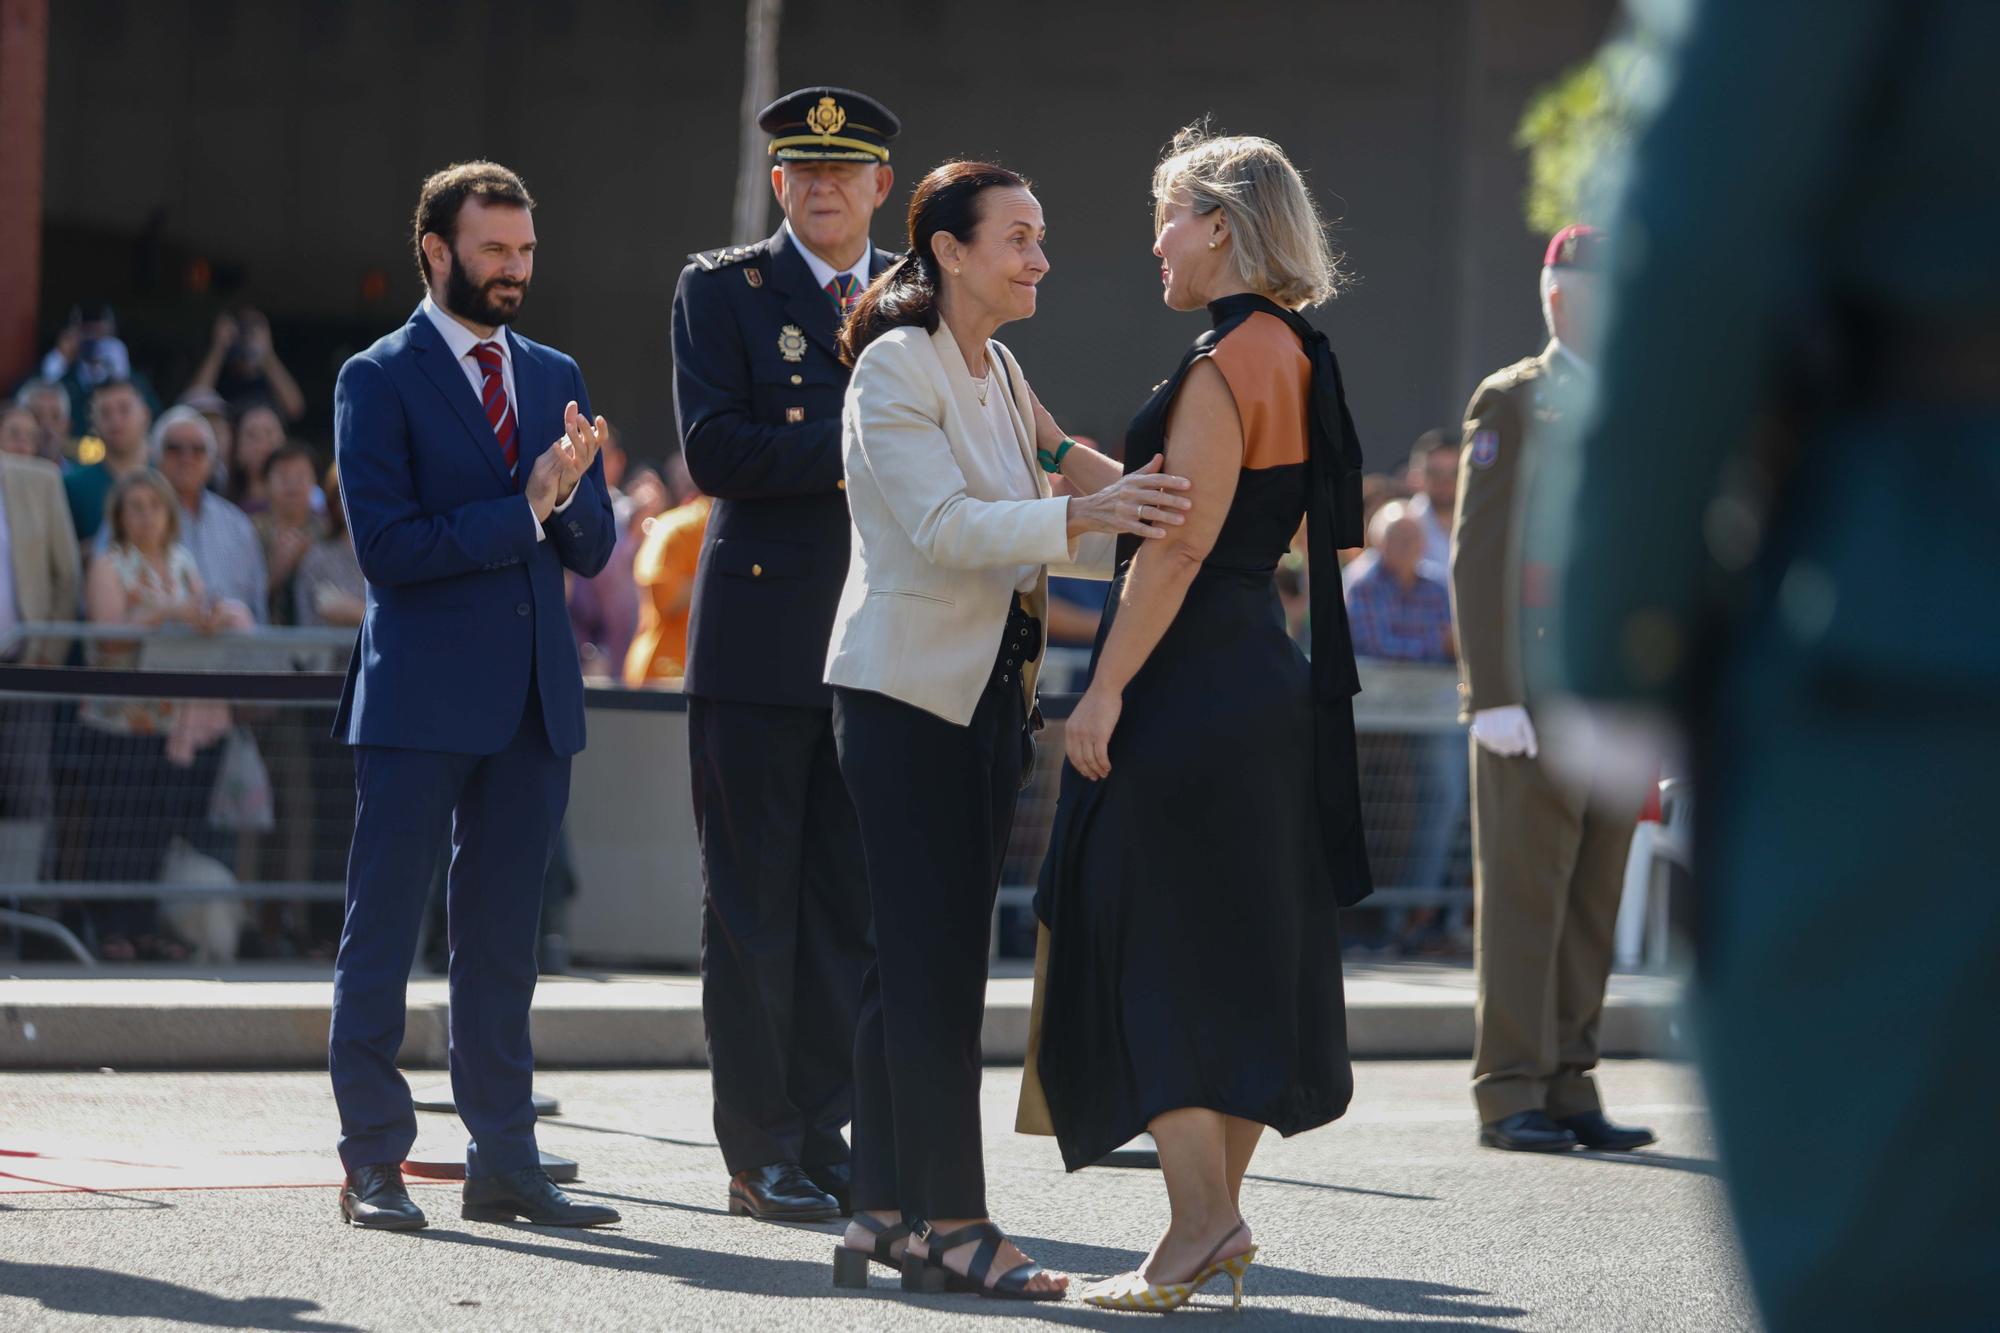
(476, 305)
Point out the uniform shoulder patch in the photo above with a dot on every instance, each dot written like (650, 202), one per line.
(726, 257)
(1485, 449)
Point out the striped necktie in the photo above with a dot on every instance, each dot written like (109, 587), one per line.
(845, 289)
(493, 397)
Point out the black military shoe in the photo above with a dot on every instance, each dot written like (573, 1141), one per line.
(835, 1179)
(530, 1195)
(1592, 1130)
(374, 1197)
(1527, 1131)
(780, 1192)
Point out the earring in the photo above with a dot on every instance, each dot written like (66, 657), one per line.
(1211, 245)
(955, 272)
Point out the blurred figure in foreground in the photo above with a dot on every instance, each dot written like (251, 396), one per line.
(1751, 533)
(1549, 836)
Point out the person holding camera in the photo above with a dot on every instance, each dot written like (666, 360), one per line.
(243, 367)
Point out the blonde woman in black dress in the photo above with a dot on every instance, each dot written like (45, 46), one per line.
(1209, 824)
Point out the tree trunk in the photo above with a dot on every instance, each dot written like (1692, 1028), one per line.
(760, 87)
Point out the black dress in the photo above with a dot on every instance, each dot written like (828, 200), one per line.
(1192, 896)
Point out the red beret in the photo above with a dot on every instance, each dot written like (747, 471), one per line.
(1576, 246)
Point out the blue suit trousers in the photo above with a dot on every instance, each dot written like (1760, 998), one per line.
(502, 812)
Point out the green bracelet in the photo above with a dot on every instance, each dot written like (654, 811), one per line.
(1052, 462)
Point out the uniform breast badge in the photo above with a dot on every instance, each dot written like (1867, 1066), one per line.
(754, 276)
(792, 343)
(794, 415)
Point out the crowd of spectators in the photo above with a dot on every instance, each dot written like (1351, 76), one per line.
(211, 516)
(205, 514)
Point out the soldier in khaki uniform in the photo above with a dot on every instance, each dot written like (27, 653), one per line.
(1549, 850)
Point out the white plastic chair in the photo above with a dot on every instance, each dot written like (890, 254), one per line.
(1642, 929)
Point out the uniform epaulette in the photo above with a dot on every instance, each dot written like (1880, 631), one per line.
(727, 256)
(1512, 377)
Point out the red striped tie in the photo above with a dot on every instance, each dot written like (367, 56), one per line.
(493, 397)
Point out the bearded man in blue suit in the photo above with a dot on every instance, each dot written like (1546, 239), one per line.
(469, 469)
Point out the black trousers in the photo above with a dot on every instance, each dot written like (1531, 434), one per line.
(784, 933)
(936, 802)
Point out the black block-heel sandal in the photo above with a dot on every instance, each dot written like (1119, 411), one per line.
(930, 1275)
(850, 1266)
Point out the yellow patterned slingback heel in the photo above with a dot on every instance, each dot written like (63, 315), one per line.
(1131, 1291)
(1234, 1267)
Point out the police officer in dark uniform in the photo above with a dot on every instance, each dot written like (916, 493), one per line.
(758, 389)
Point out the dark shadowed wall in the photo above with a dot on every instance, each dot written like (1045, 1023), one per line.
(281, 142)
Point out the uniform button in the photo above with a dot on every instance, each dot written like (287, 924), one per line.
(521, 610)
(756, 571)
(840, 485)
(798, 379)
(1010, 661)
(1005, 679)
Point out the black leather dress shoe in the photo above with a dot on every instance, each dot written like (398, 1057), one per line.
(1592, 1130)
(780, 1192)
(530, 1195)
(835, 1179)
(1527, 1131)
(374, 1197)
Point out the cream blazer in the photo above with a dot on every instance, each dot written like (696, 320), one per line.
(42, 551)
(939, 543)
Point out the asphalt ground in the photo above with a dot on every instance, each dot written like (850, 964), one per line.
(178, 1200)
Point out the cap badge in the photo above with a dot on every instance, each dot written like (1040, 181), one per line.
(827, 119)
(792, 343)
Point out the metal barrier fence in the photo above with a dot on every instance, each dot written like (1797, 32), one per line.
(196, 803)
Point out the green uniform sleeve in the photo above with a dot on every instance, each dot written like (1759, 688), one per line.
(1732, 182)
(1485, 555)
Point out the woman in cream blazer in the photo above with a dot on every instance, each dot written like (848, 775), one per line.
(948, 457)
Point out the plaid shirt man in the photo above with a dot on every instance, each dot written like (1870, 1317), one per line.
(1399, 624)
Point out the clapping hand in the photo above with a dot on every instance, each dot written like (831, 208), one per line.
(582, 441)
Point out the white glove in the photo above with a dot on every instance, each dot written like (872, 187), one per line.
(1505, 731)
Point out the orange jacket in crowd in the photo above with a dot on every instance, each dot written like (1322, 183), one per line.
(664, 571)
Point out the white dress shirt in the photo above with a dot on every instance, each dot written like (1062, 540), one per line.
(823, 272)
(461, 341)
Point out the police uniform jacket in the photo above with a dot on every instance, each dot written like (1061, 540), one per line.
(757, 389)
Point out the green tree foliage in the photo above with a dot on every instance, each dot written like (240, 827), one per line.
(1574, 130)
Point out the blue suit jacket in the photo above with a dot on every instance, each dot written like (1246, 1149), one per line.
(465, 606)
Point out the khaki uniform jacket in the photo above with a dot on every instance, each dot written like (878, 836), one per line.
(41, 550)
(1509, 411)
